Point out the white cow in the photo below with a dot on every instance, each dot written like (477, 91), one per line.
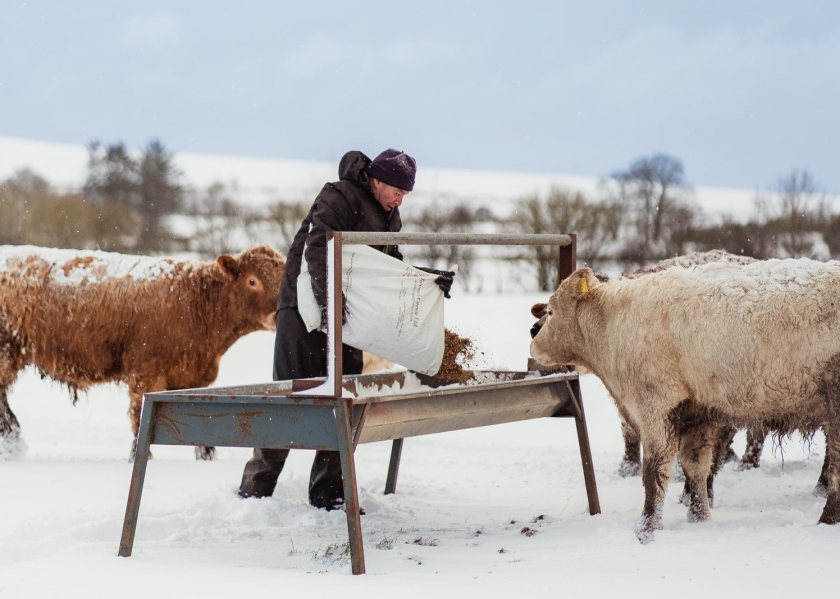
(686, 352)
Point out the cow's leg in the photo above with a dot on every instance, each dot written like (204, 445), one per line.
(660, 448)
(697, 453)
(821, 489)
(831, 511)
(10, 442)
(831, 392)
(755, 445)
(135, 406)
(678, 475)
(724, 452)
(205, 452)
(12, 360)
(631, 463)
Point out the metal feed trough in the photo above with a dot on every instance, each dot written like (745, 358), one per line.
(338, 412)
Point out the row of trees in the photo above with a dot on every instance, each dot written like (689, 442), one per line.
(123, 205)
(646, 214)
(642, 214)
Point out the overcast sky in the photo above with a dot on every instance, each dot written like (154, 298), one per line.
(741, 92)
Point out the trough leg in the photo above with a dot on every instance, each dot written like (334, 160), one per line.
(351, 492)
(394, 467)
(585, 451)
(138, 475)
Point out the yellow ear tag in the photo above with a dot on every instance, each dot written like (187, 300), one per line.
(583, 287)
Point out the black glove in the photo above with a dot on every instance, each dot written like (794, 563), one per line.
(343, 313)
(444, 280)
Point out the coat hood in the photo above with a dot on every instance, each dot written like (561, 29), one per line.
(353, 167)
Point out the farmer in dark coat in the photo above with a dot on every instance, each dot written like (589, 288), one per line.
(366, 198)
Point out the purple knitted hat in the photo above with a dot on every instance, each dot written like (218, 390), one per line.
(395, 168)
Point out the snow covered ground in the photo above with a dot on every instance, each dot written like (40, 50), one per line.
(456, 526)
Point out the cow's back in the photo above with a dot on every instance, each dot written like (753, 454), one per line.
(79, 316)
(738, 338)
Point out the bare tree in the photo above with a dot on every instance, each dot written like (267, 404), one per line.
(531, 216)
(794, 213)
(435, 218)
(218, 218)
(652, 188)
(286, 219)
(31, 212)
(17, 196)
(597, 225)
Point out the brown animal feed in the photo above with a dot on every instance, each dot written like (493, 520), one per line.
(457, 352)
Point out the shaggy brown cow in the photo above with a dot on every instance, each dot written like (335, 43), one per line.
(686, 352)
(155, 324)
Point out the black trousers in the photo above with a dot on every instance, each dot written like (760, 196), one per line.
(300, 354)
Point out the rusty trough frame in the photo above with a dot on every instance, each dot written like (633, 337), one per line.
(339, 412)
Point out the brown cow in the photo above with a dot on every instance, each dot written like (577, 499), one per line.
(83, 318)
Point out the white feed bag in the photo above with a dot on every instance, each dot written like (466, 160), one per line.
(393, 309)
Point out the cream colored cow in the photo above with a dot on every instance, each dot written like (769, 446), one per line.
(685, 352)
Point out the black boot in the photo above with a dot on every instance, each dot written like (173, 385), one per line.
(260, 475)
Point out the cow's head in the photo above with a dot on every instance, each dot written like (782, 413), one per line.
(255, 277)
(556, 335)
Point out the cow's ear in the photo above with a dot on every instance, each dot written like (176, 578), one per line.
(538, 310)
(228, 264)
(583, 281)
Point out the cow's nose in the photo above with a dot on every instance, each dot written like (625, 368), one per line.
(535, 329)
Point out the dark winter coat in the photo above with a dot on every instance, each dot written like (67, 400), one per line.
(345, 205)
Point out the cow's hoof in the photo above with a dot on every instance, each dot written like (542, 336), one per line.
(644, 534)
(12, 446)
(830, 514)
(133, 452)
(731, 456)
(745, 465)
(698, 514)
(645, 528)
(629, 468)
(205, 453)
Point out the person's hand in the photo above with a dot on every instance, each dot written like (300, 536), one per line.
(444, 280)
(343, 313)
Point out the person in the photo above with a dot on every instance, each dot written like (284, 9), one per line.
(367, 197)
